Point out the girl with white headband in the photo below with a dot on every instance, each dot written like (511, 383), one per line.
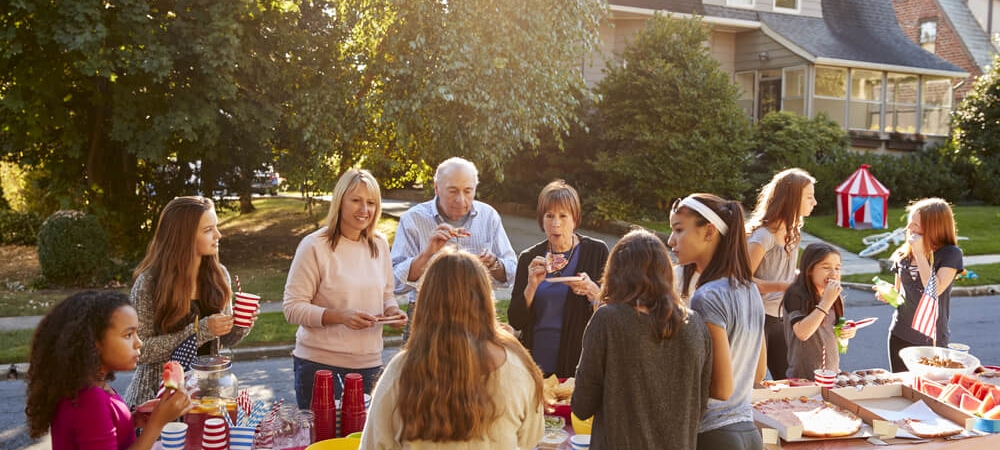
(774, 246)
(707, 236)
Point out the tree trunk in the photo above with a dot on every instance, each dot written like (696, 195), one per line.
(246, 203)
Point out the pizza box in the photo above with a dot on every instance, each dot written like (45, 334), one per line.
(877, 404)
(794, 433)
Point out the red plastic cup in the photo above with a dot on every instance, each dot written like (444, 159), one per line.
(352, 422)
(354, 394)
(245, 306)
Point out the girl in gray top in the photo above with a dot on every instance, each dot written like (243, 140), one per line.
(773, 244)
(707, 232)
(812, 306)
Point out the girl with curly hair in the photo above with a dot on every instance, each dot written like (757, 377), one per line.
(77, 348)
(773, 245)
(461, 379)
(180, 293)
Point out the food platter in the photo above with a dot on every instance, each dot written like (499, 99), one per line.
(563, 279)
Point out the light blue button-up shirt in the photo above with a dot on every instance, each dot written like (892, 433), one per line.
(483, 223)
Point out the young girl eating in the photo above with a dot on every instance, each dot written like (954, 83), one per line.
(811, 307)
(77, 348)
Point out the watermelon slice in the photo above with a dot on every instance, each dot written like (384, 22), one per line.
(970, 404)
(989, 403)
(932, 389)
(980, 389)
(966, 381)
(173, 375)
(993, 414)
(948, 389)
(955, 397)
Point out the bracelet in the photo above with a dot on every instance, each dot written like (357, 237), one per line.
(825, 312)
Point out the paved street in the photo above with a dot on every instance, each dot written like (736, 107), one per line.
(973, 322)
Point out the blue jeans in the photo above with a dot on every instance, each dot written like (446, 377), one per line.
(305, 371)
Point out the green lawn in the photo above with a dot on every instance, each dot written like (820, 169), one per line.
(977, 223)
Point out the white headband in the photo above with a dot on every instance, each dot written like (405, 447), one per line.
(707, 213)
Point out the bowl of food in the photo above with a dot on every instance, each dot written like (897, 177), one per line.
(937, 363)
(557, 393)
(554, 422)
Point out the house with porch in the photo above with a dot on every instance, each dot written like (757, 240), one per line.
(949, 29)
(848, 59)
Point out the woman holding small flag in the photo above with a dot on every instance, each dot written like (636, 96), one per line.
(925, 266)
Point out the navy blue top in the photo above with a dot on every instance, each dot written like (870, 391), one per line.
(912, 288)
(550, 304)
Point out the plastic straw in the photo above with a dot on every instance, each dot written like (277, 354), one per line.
(239, 288)
(257, 414)
(225, 415)
(824, 357)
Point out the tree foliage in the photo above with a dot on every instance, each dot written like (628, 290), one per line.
(125, 105)
(672, 124)
(976, 134)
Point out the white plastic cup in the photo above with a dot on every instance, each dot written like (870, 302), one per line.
(173, 435)
(580, 441)
(246, 304)
(959, 347)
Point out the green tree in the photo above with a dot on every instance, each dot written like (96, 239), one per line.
(671, 122)
(783, 139)
(976, 135)
(476, 79)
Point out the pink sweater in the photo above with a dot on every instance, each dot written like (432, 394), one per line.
(96, 419)
(348, 278)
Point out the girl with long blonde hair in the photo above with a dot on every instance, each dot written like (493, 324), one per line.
(461, 381)
(180, 290)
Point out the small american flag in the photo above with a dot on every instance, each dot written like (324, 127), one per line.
(925, 320)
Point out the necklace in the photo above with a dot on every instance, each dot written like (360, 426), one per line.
(556, 261)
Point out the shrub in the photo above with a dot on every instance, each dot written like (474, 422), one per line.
(976, 136)
(18, 228)
(671, 122)
(73, 249)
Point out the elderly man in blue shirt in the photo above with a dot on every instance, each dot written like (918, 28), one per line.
(453, 216)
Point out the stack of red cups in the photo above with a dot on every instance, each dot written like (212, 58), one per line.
(214, 435)
(352, 414)
(323, 408)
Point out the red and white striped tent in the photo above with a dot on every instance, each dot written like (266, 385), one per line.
(862, 202)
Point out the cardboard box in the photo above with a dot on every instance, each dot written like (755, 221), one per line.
(794, 433)
(894, 397)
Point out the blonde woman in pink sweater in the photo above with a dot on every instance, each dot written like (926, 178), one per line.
(339, 288)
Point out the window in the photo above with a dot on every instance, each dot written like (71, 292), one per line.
(786, 5)
(901, 103)
(866, 100)
(793, 95)
(935, 108)
(745, 83)
(830, 93)
(928, 34)
(740, 3)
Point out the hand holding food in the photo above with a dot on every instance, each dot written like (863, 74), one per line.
(537, 270)
(356, 320)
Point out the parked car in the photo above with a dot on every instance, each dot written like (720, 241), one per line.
(265, 183)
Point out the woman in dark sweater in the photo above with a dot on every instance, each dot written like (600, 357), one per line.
(552, 315)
